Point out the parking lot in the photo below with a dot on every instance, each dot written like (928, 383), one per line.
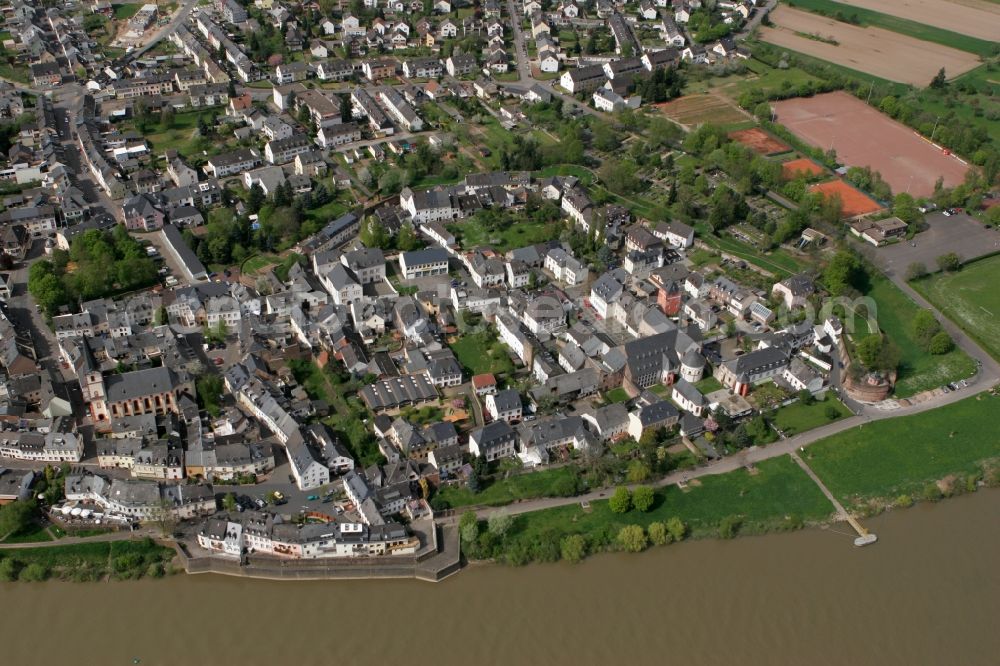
(959, 233)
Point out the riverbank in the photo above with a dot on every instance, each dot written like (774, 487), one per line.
(924, 595)
(87, 562)
(891, 463)
(879, 465)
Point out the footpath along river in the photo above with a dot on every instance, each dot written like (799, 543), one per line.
(927, 593)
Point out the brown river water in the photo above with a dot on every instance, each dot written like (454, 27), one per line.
(927, 593)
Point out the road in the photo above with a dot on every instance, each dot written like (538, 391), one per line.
(523, 64)
(181, 16)
(750, 456)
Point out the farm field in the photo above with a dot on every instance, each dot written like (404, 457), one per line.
(977, 18)
(970, 299)
(862, 136)
(899, 17)
(759, 141)
(853, 202)
(883, 53)
(692, 110)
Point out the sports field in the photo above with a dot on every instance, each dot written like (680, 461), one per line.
(889, 55)
(862, 136)
(971, 299)
(759, 141)
(853, 202)
(693, 110)
(802, 166)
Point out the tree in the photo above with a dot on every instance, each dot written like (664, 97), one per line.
(621, 500)
(16, 517)
(843, 273)
(373, 233)
(940, 344)
(255, 198)
(877, 353)
(831, 413)
(167, 116)
(904, 206)
(924, 327)
(632, 538)
(468, 527)
(573, 548)
(638, 471)
(229, 502)
(678, 530)
(407, 239)
(949, 262)
(806, 397)
(658, 534)
(940, 80)
(499, 523)
(917, 270)
(642, 498)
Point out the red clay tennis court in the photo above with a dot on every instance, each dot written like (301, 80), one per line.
(862, 136)
(759, 141)
(853, 202)
(803, 166)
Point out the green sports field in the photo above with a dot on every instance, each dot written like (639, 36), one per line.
(971, 299)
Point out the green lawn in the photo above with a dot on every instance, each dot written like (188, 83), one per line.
(182, 136)
(94, 561)
(472, 234)
(901, 455)
(32, 534)
(583, 173)
(327, 212)
(779, 262)
(480, 353)
(868, 17)
(796, 418)
(127, 10)
(919, 370)
(708, 385)
(769, 79)
(505, 491)
(258, 262)
(616, 395)
(776, 490)
(969, 298)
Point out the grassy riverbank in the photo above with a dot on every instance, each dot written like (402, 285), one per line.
(923, 456)
(119, 560)
(926, 456)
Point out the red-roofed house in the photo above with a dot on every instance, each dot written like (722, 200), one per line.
(484, 384)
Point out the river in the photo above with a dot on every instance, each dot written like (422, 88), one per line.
(927, 593)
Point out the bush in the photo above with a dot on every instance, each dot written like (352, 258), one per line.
(931, 493)
(642, 498)
(632, 538)
(658, 534)
(573, 548)
(34, 573)
(831, 413)
(621, 501)
(155, 570)
(9, 568)
(903, 502)
(940, 344)
(949, 262)
(729, 526)
(678, 530)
